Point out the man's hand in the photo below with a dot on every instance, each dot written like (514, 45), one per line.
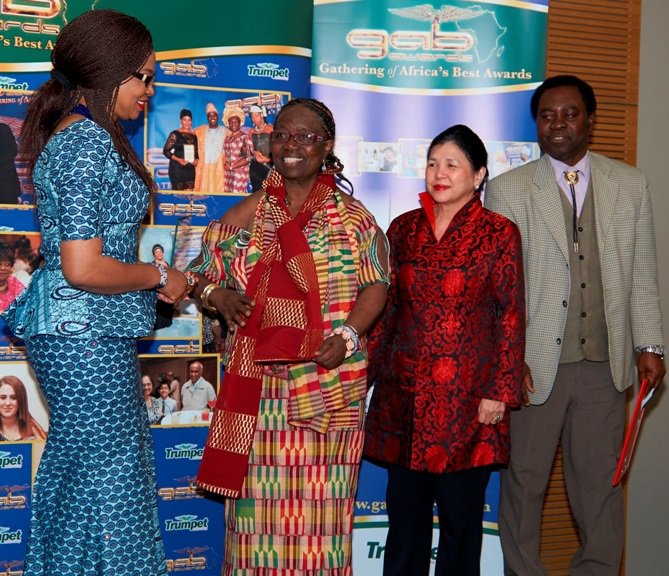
(650, 367)
(527, 385)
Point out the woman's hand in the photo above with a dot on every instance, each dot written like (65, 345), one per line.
(332, 352)
(238, 163)
(184, 162)
(234, 306)
(260, 157)
(491, 411)
(176, 287)
(86, 268)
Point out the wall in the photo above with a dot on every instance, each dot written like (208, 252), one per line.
(647, 501)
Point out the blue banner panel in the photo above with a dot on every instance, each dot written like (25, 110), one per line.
(192, 525)
(15, 497)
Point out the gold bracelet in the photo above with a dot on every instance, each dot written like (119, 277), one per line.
(204, 297)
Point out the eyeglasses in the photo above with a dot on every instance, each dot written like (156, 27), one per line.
(146, 78)
(303, 138)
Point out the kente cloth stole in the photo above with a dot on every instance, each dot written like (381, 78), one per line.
(286, 325)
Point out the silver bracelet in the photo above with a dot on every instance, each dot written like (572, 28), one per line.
(350, 336)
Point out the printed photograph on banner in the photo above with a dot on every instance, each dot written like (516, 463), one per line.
(11, 347)
(180, 390)
(503, 156)
(19, 258)
(414, 157)
(23, 411)
(15, 184)
(246, 148)
(210, 140)
(379, 157)
(173, 246)
(346, 148)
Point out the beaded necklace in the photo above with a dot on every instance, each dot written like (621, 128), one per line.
(83, 110)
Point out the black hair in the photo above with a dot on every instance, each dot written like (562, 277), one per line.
(94, 54)
(587, 93)
(332, 163)
(469, 142)
(7, 253)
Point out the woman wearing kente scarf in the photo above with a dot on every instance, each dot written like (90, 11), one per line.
(298, 271)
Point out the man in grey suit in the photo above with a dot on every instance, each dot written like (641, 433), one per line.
(593, 327)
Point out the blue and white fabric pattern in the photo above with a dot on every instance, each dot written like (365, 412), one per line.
(95, 510)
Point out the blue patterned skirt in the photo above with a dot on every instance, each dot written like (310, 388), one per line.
(94, 510)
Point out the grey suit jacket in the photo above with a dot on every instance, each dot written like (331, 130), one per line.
(529, 195)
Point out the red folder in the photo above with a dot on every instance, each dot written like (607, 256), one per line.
(633, 431)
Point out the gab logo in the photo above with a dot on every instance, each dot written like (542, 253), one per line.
(40, 8)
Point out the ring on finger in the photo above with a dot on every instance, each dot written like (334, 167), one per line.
(496, 419)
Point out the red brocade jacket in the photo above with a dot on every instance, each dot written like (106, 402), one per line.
(451, 334)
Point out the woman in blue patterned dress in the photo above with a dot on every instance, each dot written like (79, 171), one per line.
(94, 508)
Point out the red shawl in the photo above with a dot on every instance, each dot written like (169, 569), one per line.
(286, 325)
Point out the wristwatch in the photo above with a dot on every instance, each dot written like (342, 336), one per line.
(192, 281)
(163, 277)
(653, 349)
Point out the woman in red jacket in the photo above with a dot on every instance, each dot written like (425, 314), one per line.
(447, 354)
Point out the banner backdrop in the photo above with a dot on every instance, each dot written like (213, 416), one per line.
(218, 56)
(394, 72)
(397, 72)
